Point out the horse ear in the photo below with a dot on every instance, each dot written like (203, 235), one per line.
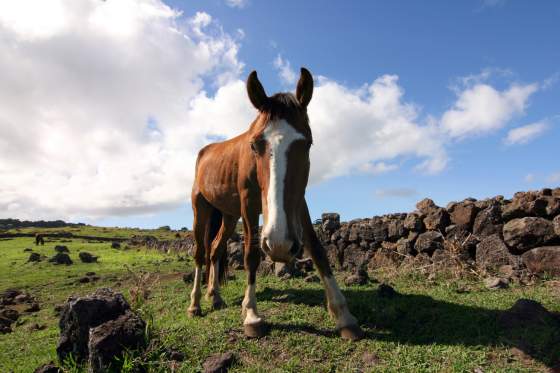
(256, 92)
(304, 90)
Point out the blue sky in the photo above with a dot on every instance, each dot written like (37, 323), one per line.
(439, 50)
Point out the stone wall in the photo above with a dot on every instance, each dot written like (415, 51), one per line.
(494, 233)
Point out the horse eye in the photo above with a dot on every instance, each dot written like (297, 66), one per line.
(253, 147)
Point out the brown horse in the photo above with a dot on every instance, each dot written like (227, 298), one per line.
(263, 170)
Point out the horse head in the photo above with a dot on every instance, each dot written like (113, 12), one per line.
(280, 144)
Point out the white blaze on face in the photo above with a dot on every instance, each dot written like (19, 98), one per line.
(280, 135)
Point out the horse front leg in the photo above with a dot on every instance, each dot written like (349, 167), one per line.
(253, 323)
(346, 323)
(218, 261)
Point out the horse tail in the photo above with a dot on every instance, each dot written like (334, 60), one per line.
(211, 232)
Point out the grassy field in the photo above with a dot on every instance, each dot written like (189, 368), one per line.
(89, 230)
(428, 326)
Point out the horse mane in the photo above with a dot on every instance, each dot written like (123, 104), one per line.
(286, 106)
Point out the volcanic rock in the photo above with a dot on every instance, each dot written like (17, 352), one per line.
(219, 363)
(112, 338)
(543, 260)
(61, 258)
(61, 249)
(525, 233)
(86, 257)
(81, 314)
(428, 242)
(492, 252)
(489, 220)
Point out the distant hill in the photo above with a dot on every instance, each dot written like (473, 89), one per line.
(16, 223)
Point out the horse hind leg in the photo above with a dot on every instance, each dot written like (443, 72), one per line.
(218, 260)
(202, 215)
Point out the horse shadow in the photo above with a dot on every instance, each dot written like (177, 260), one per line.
(422, 320)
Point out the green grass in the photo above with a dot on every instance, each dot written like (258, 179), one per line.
(427, 327)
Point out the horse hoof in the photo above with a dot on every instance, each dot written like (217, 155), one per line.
(255, 330)
(351, 333)
(194, 311)
(218, 305)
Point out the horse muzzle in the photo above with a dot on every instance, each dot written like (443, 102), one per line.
(281, 251)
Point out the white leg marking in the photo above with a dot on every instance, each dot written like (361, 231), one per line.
(279, 135)
(249, 307)
(213, 282)
(196, 292)
(337, 304)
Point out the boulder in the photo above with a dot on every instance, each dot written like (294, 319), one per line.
(115, 245)
(525, 233)
(552, 206)
(360, 277)
(235, 255)
(437, 219)
(463, 214)
(34, 257)
(489, 220)
(286, 270)
(525, 204)
(405, 246)
(543, 260)
(80, 314)
(354, 256)
(413, 222)
(425, 206)
(304, 264)
(395, 229)
(8, 296)
(492, 252)
(495, 283)
(330, 221)
(428, 242)
(386, 256)
(86, 257)
(61, 249)
(8, 316)
(218, 363)
(109, 340)
(556, 224)
(61, 258)
(378, 231)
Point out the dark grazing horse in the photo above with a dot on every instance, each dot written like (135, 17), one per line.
(39, 239)
(263, 170)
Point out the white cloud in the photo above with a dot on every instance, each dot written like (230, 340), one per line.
(554, 178)
(551, 81)
(237, 3)
(524, 134)
(376, 168)
(492, 3)
(481, 108)
(529, 178)
(396, 193)
(286, 73)
(360, 130)
(95, 117)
